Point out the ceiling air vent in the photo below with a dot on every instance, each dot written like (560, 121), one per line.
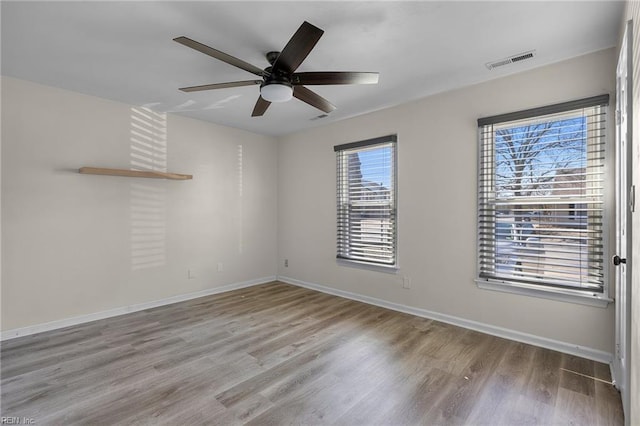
(511, 59)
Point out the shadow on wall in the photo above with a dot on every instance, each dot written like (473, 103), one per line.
(148, 200)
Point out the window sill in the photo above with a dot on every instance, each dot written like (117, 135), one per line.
(367, 266)
(585, 298)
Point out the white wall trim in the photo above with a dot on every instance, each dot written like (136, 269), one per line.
(585, 352)
(518, 336)
(54, 325)
(588, 299)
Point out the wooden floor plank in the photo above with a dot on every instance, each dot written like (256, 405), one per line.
(280, 354)
(503, 389)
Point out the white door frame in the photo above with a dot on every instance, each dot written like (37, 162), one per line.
(625, 200)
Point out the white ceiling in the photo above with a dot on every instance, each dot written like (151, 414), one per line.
(124, 50)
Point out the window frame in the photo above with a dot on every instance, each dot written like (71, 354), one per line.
(549, 291)
(364, 145)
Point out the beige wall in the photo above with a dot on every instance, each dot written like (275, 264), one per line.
(67, 238)
(437, 140)
(633, 12)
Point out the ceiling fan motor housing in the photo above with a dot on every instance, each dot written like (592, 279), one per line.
(276, 86)
(272, 76)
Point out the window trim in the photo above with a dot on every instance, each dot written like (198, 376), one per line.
(363, 264)
(558, 294)
(366, 142)
(585, 297)
(545, 110)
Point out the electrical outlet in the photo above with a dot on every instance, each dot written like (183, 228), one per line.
(220, 267)
(286, 263)
(406, 282)
(191, 274)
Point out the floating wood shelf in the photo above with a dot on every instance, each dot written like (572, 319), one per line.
(133, 173)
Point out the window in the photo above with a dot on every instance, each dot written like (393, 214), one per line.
(540, 199)
(366, 201)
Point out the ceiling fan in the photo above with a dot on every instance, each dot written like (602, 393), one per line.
(279, 81)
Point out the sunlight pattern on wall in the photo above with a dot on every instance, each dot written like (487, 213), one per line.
(148, 200)
(148, 221)
(148, 140)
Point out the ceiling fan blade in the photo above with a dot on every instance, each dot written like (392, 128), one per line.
(220, 85)
(219, 55)
(330, 77)
(260, 108)
(313, 99)
(298, 48)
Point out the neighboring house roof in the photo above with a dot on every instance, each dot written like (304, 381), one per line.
(375, 190)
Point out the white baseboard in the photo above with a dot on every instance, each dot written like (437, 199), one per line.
(54, 325)
(518, 336)
(589, 353)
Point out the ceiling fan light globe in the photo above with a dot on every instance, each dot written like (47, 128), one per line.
(276, 92)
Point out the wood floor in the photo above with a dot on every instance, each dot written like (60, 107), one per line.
(277, 354)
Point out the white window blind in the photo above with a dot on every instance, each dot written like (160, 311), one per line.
(541, 201)
(366, 201)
